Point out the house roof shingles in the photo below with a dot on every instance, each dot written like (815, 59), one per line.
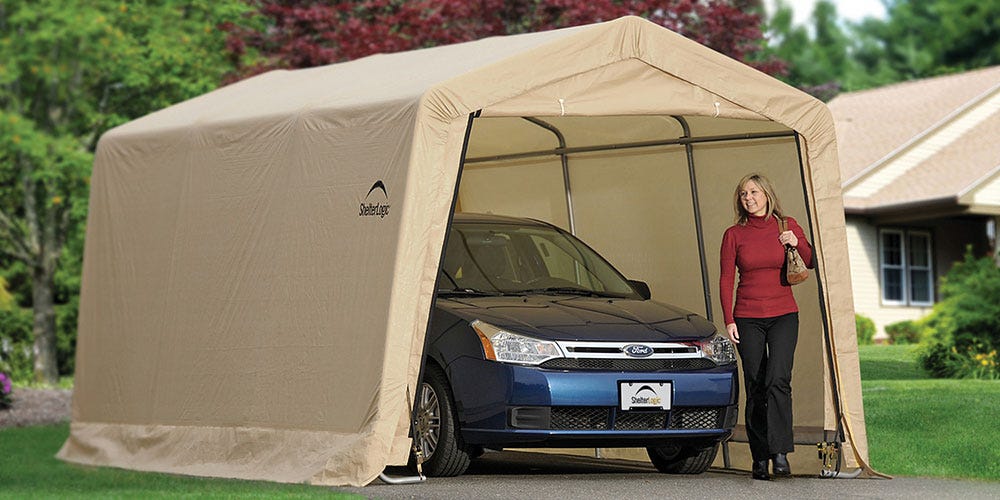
(875, 123)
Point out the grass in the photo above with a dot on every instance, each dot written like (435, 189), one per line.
(29, 469)
(919, 426)
(64, 383)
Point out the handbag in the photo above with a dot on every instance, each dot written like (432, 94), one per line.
(795, 271)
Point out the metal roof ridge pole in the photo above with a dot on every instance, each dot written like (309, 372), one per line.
(632, 145)
(565, 166)
(699, 230)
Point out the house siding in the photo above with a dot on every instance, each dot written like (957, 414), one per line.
(862, 251)
(949, 238)
(863, 248)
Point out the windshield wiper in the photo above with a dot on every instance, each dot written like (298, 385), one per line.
(565, 290)
(468, 292)
(569, 290)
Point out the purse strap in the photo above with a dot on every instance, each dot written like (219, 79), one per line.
(782, 227)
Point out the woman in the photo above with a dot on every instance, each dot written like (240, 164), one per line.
(764, 323)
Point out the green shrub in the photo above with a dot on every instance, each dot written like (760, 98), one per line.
(963, 331)
(16, 341)
(15, 344)
(940, 360)
(865, 328)
(904, 332)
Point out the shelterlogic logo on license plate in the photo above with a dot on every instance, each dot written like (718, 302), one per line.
(639, 395)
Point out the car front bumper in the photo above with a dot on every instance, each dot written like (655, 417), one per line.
(510, 405)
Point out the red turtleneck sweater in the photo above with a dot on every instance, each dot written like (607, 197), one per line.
(754, 249)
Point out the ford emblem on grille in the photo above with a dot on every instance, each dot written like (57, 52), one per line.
(638, 350)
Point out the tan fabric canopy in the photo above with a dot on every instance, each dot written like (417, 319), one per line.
(261, 260)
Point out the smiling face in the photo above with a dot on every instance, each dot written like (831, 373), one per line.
(753, 199)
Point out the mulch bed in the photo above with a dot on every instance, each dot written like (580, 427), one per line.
(37, 407)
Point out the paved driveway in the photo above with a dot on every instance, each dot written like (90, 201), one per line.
(512, 475)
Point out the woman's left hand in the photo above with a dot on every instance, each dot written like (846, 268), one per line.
(788, 238)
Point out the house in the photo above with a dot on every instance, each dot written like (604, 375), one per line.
(920, 171)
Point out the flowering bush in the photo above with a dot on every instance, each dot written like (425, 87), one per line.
(963, 332)
(985, 365)
(5, 399)
(972, 362)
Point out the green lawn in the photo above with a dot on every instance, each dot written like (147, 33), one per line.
(29, 469)
(918, 426)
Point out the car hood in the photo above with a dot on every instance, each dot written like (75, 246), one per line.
(582, 318)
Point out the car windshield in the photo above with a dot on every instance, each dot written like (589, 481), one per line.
(502, 259)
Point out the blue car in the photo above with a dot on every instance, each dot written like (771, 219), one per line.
(537, 341)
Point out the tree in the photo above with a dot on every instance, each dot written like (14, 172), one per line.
(68, 72)
(922, 38)
(300, 34)
(819, 56)
(917, 39)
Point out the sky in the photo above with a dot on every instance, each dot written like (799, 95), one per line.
(848, 10)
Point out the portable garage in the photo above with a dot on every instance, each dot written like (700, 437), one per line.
(261, 260)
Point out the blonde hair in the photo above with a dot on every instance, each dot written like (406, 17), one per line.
(773, 205)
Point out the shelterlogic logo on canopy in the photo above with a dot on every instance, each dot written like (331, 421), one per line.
(375, 204)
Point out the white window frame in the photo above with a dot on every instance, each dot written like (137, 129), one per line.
(905, 266)
(882, 266)
(929, 268)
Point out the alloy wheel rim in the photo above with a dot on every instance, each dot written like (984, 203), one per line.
(428, 421)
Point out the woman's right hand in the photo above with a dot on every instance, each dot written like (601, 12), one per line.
(734, 334)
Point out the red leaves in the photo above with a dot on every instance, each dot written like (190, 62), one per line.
(300, 34)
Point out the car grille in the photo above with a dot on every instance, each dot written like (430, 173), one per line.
(591, 418)
(580, 418)
(628, 365)
(640, 420)
(695, 418)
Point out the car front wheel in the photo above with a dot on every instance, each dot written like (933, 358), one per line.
(436, 428)
(682, 459)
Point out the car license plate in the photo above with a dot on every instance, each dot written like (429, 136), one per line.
(645, 395)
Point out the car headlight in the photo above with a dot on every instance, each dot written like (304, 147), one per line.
(719, 349)
(507, 347)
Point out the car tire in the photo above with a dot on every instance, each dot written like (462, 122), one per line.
(682, 459)
(435, 425)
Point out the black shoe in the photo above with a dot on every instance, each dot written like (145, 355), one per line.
(781, 467)
(760, 470)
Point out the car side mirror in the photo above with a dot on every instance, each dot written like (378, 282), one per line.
(641, 288)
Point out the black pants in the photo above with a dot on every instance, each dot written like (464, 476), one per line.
(767, 347)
